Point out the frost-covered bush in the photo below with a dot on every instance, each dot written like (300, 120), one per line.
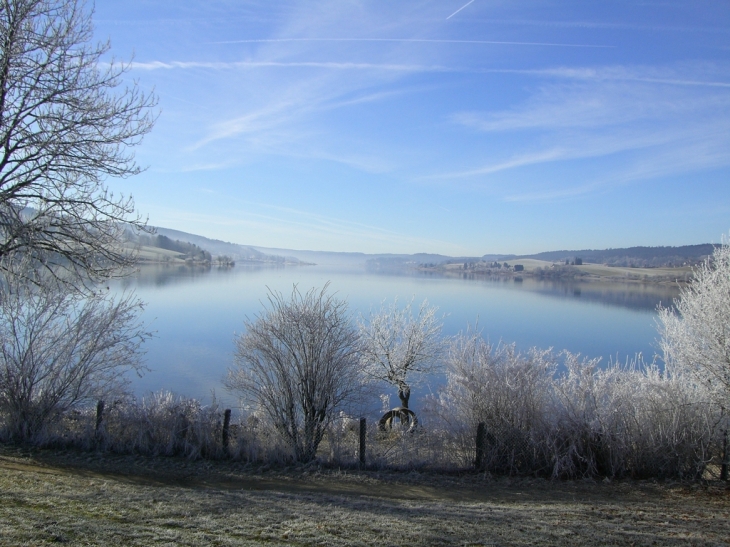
(629, 420)
(695, 333)
(163, 424)
(297, 363)
(560, 415)
(61, 350)
(170, 425)
(507, 391)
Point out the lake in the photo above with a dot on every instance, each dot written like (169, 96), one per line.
(196, 312)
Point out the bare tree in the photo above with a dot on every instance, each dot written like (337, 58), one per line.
(65, 125)
(395, 345)
(297, 362)
(59, 349)
(695, 335)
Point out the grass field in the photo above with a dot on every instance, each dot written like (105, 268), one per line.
(613, 273)
(619, 271)
(600, 270)
(156, 254)
(77, 498)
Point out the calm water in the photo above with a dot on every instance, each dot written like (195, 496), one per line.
(196, 312)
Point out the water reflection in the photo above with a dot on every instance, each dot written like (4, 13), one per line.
(160, 275)
(197, 310)
(635, 296)
(626, 294)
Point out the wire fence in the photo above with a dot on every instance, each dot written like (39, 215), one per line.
(165, 425)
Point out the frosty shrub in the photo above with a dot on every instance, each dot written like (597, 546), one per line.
(507, 391)
(297, 364)
(563, 416)
(695, 334)
(60, 350)
(163, 424)
(629, 420)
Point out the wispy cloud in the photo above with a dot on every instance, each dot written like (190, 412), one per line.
(183, 65)
(599, 103)
(554, 194)
(461, 8)
(313, 83)
(634, 128)
(606, 74)
(413, 41)
(676, 159)
(270, 225)
(578, 146)
(514, 162)
(655, 75)
(585, 24)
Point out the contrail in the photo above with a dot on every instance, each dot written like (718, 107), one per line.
(413, 40)
(461, 8)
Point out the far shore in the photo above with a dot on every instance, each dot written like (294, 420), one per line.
(541, 269)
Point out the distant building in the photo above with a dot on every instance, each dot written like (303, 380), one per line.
(519, 268)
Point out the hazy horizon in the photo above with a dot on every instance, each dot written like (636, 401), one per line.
(267, 249)
(449, 127)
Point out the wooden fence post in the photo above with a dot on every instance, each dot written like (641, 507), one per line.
(363, 430)
(99, 418)
(226, 426)
(181, 433)
(725, 457)
(481, 441)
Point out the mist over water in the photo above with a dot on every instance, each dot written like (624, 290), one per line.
(196, 313)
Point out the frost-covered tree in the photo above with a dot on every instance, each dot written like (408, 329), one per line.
(695, 333)
(297, 362)
(395, 345)
(59, 349)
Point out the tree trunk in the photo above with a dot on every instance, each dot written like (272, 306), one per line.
(404, 394)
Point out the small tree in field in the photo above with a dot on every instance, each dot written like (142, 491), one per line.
(297, 362)
(695, 336)
(59, 350)
(395, 345)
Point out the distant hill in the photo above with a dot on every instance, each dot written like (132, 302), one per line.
(216, 247)
(374, 260)
(639, 257)
(497, 258)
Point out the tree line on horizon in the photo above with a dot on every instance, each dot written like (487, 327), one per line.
(189, 250)
(637, 257)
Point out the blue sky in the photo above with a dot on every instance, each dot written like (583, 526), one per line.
(453, 127)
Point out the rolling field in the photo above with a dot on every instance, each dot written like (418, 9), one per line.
(600, 270)
(156, 254)
(93, 499)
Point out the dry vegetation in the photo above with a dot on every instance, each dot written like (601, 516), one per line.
(99, 499)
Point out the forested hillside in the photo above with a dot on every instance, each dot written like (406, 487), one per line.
(638, 257)
(189, 251)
